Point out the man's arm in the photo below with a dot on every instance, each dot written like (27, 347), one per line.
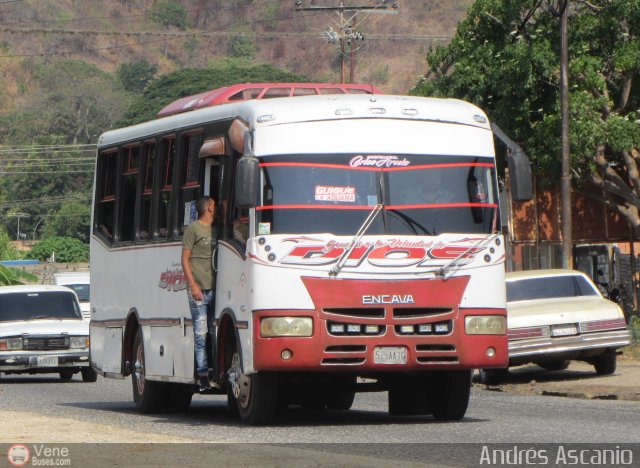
(194, 287)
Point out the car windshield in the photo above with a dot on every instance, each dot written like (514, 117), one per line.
(81, 290)
(38, 305)
(421, 194)
(549, 287)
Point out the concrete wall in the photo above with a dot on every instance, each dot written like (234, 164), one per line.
(45, 271)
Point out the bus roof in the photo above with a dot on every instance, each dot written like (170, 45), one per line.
(246, 91)
(301, 109)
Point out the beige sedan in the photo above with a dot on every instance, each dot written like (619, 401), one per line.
(555, 316)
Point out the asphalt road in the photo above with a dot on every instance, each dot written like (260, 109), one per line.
(493, 417)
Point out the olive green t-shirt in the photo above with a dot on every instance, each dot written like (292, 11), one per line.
(201, 240)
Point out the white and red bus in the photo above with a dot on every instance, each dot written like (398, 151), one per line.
(358, 237)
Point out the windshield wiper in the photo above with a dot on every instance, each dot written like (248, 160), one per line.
(455, 263)
(367, 222)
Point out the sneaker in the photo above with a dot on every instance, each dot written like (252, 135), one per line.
(204, 384)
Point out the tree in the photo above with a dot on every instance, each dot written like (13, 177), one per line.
(167, 88)
(78, 100)
(135, 76)
(168, 13)
(505, 58)
(66, 250)
(71, 220)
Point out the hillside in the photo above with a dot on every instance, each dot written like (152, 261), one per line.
(109, 33)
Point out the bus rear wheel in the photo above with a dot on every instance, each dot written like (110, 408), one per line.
(147, 395)
(449, 394)
(255, 396)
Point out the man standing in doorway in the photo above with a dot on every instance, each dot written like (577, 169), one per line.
(198, 246)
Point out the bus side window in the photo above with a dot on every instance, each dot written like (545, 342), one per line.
(190, 183)
(107, 200)
(130, 164)
(147, 190)
(168, 152)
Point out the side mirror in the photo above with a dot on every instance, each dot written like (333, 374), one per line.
(519, 167)
(247, 177)
(520, 175)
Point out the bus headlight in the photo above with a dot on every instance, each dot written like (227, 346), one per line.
(286, 326)
(485, 325)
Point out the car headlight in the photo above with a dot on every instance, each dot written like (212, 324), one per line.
(79, 342)
(485, 325)
(286, 326)
(10, 344)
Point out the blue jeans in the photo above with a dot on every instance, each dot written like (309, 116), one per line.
(202, 314)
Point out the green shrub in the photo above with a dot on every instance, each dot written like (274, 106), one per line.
(66, 250)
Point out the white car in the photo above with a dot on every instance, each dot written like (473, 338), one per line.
(80, 282)
(554, 316)
(42, 331)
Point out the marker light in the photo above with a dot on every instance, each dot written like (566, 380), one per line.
(426, 328)
(286, 326)
(442, 328)
(336, 328)
(406, 329)
(371, 329)
(485, 325)
(352, 328)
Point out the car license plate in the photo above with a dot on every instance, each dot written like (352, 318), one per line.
(564, 330)
(47, 361)
(390, 355)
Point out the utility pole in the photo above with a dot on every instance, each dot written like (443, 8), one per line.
(18, 215)
(347, 24)
(561, 10)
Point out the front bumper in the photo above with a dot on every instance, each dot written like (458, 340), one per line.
(23, 361)
(567, 347)
(326, 352)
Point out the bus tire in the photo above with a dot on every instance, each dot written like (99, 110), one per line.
(255, 396)
(449, 394)
(342, 401)
(147, 395)
(179, 397)
(89, 374)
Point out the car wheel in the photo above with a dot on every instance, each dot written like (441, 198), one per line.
(560, 364)
(605, 364)
(492, 376)
(66, 374)
(89, 374)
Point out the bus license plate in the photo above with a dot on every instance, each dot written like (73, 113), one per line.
(564, 330)
(390, 355)
(47, 361)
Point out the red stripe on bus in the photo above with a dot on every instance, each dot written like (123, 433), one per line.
(369, 208)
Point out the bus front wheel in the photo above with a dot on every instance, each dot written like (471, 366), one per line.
(449, 394)
(147, 395)
(255, 396)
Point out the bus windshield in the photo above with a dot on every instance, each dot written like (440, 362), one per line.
(421, 194)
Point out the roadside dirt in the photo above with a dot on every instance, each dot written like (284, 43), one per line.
(578, 381)
(28, 427)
